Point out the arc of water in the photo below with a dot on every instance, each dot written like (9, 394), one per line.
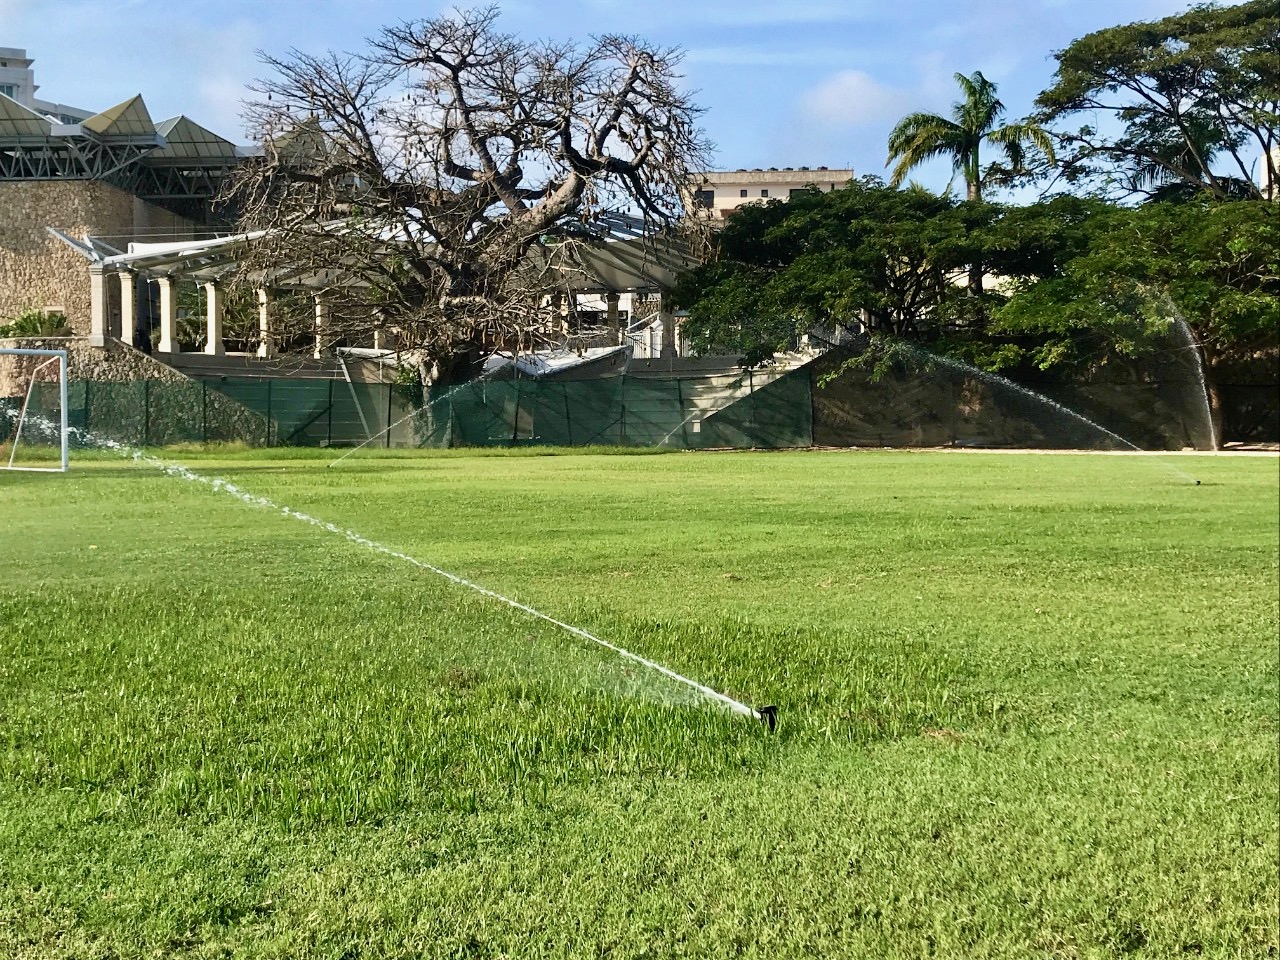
(1180, 322)
(1006, 382)
(408, 416)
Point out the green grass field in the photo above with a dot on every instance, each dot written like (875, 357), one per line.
(1029, 707)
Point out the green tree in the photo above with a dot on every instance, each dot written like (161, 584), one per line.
(923, 136)
(1131, 272)
(866, 255)
(919, 137)
(1196, 97)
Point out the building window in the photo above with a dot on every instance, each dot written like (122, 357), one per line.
(764, 193)
(706, 199)
(9, 90)
(742, 193)
(801, 191)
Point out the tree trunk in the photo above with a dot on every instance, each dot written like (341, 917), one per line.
(975, 279)
(975, 269)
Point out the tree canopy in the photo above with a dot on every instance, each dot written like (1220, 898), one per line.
(1196, 97)
(433, 179)
(865, 256)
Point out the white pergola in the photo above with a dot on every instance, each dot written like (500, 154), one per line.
(621, 258)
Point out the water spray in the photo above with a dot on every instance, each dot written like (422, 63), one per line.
(1040, 397)
(766, 715)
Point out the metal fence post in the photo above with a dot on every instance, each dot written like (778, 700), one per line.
(390, 391)
(146, 412)
(684, 422)
(568, 416)
(328, 436)
(269, 443)
(515, 419)
(622, 413)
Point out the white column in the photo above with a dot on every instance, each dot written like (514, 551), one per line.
(97, 306)
(611, 315)
(128, 305)
(668, 333)
(322, 319)
(168, 317)
(264, 324)
(379, 338)
(214, 310)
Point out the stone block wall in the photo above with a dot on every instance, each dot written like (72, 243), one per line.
(38, 270)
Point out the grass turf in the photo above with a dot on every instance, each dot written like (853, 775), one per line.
(1029, 707)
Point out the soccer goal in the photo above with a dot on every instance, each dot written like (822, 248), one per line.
(33, 409)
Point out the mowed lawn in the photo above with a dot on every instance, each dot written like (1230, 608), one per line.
(1028, 707)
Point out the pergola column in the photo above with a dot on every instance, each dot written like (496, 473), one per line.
(128, 305)
(215, 309)
(168, 316)
(322, 320)
(97, 306)
(668, 321)
(264, 324)
(611, 314)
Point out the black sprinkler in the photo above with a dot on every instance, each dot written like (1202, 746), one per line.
(769, 717)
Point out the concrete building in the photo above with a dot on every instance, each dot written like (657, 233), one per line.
(718, 193)
(18, 83)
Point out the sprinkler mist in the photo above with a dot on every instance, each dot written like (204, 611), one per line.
(766, 715)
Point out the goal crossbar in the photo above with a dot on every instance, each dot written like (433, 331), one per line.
(60, 358)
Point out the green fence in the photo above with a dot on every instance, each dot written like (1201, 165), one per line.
(749, 410)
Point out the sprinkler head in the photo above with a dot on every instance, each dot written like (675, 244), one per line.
(769, 717)
(1197, 483)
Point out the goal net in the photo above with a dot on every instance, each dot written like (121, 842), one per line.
(33, 409)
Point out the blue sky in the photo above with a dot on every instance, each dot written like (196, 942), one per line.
(805, 82)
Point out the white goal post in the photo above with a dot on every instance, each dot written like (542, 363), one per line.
(40, 368)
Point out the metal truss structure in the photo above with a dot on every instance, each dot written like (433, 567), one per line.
(176, 164)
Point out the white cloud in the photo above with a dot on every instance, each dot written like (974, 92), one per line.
(852, 98)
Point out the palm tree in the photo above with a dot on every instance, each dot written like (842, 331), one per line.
(922, 136)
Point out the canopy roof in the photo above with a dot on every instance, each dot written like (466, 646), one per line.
(126, 120)
(17, 121)
(618, 256)
(187, 140)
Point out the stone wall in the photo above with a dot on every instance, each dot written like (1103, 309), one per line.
(116, 363)
(38, 270)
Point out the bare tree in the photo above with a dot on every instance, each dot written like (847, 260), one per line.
(431, 183)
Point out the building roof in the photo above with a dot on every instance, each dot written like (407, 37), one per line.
(616, 259)
(796, 175)
(17, 121)
(127, 119)
(185, 139)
